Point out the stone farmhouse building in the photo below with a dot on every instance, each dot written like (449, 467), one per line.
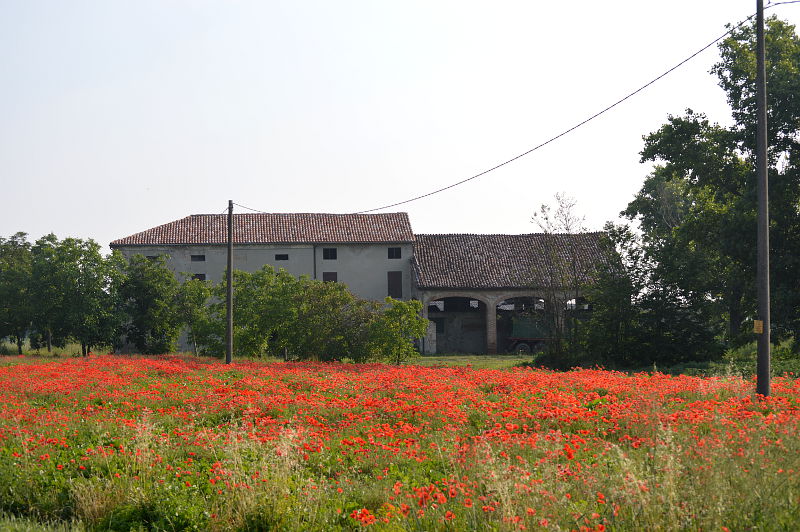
(469, 284)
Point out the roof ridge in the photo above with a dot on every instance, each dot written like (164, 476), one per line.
(510, 234)
(255, 228)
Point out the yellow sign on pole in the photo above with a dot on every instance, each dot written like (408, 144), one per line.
(758, 326)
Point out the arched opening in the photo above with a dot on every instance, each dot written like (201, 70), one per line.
(577, 311)
(521, 325)
(460, 324)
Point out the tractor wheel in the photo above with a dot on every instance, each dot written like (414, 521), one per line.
(522, 349)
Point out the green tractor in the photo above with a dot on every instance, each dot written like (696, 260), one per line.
(528, 334)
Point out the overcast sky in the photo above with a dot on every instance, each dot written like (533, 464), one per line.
(117, 116)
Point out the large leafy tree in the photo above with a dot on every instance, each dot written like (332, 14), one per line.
(697, 209)
(50, 274)
(148, 295)
(191, 301)
(15, 282)
(73, 292)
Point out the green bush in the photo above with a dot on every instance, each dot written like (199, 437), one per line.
(742, 360)
(277, 314)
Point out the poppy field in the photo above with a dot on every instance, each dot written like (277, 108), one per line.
(181, 443)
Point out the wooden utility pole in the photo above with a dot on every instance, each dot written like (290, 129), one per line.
(762, 324)
(229, 332)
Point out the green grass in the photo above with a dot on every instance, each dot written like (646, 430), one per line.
(69, 350)
(505, 361)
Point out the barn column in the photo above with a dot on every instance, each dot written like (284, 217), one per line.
(491, 326)
(429, 340)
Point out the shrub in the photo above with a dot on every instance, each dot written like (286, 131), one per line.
(277, 314)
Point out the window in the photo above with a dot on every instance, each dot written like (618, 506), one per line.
(436, 306)
(329, 253)
(152, 257)
(198, 258)
(282, 256)
(395, 284)
(329, 277)
(394, 253)
(199, 276)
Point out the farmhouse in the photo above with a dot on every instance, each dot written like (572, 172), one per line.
(471, 286)
(369, 252)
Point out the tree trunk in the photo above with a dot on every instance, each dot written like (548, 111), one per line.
(735, 311)
(19, 345)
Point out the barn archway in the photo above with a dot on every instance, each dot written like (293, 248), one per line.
(460, 324)
(520, 324)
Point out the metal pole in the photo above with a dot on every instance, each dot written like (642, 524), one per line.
(763, 369)
(229, 332)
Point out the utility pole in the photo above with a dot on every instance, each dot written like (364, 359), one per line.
(229, 332)
(762, 324)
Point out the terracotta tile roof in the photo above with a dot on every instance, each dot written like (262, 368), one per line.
(499, 261)
(277, 228)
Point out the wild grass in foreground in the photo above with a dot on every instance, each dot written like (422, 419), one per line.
(169, 443)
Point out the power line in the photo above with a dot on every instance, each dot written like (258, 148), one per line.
(249, 209)
(580, 124)
(565, 132)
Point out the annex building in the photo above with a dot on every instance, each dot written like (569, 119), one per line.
(469, 285)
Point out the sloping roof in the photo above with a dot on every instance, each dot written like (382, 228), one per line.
(501, 261)
(284, 228)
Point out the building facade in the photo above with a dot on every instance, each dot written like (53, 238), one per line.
(472, 287)
(371, 253)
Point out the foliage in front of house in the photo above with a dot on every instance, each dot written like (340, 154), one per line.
(281, 315)
(58, 291)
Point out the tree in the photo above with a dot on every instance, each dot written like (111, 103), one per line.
(398, 325)
(610, 337)
(48, 296)
(278, 314)
(565, 277)
(148, 293)
(15, 282)
(190, 304)
(697, 209)
(73, 292)
(95, 319)
(638, 318)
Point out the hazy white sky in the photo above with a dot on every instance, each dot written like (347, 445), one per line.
(116, 116)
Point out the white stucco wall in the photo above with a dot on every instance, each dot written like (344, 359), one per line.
(362, 267)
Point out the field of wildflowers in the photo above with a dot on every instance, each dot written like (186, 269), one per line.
(170, 443)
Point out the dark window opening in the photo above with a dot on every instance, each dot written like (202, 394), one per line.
(436, 306)
(282, 256)
(395, 253)
(329, 277)
(395, 284)
(329, 253)
(198, 258)
(152, 257)
(199, 276)
(463, 304)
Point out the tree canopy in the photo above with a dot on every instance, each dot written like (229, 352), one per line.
(697, 213)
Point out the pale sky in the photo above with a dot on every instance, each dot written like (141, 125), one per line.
(117, 116)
